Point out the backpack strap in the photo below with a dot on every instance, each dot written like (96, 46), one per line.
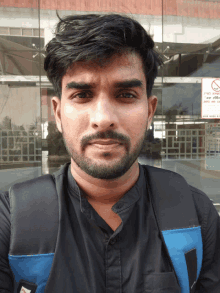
(34, 211)
(178, 224)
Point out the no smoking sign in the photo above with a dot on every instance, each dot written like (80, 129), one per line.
(210, 106)
(216, 85)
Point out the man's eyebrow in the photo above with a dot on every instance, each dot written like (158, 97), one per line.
(79, 85)
(129, 83)
(120, 84)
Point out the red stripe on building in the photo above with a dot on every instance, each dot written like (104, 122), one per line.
(188, 8)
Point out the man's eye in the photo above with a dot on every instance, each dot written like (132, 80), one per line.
(127, 95)
(82, 95)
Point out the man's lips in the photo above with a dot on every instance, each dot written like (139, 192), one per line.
(105, 142)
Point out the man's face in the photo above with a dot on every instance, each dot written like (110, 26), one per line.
(104, 114)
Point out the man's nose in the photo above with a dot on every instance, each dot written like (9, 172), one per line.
(103, 115)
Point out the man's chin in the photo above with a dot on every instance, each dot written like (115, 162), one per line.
(104, 168)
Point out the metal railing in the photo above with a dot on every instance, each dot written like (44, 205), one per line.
(20, 146)
(184, 144)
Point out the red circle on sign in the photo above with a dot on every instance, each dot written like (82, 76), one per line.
(216, 85)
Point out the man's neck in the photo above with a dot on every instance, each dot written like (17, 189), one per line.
(105, 191)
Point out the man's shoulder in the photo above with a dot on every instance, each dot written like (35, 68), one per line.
(32, 183)
(201, 200)
(161, 171)
(199, 195)
(4, 210)
(206, 211)
(4, 197)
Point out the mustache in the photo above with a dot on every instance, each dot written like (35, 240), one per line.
(104, 135)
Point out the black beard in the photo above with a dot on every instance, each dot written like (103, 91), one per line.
(104, 171)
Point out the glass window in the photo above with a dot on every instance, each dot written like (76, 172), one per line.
(15, 31)
(27, 32)
(4, 30)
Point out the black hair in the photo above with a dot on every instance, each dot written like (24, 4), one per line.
(96, 37)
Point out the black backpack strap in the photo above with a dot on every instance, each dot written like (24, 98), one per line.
(34, 211)
(178, 224)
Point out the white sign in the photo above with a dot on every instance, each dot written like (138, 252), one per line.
(210, 103)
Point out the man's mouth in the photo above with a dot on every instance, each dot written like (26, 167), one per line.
(105, 142)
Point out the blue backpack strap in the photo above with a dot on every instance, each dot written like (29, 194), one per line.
(178, 224)
(34, 211)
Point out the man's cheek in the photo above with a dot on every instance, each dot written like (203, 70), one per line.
(68, 109)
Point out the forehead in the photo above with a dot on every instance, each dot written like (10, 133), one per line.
(118, 67)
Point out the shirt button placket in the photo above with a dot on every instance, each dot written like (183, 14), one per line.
(113, 267)
(112, 241)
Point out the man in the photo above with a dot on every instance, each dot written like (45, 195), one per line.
(103, 68)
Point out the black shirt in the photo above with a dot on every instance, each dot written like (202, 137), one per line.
(130, 259)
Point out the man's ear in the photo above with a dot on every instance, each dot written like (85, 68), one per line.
(56, 103)
(152, 106)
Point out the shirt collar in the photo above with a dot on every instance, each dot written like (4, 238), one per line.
(130, 197)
